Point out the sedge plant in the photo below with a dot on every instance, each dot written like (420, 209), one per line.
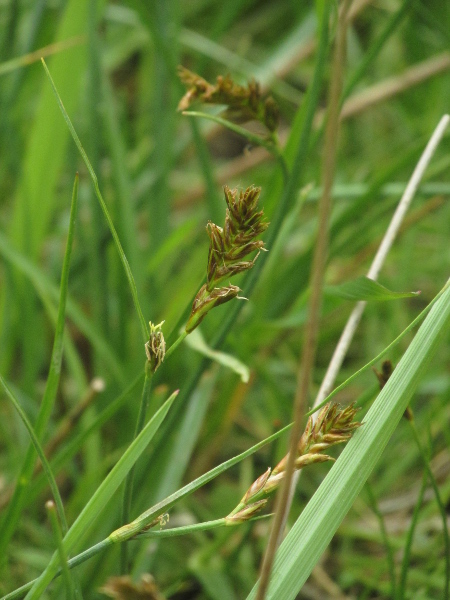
(235, 256)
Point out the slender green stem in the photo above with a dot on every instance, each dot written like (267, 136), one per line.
(123, 258)
(56, 529)
(441, 507)
(186, 529)
(268, 143)
(129, 481)
(409, 539)
(385, 538)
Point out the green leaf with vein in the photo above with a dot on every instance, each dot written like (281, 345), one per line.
(366, 289)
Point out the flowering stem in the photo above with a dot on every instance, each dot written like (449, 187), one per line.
(269, 144)
(128, 489)
(108, 542)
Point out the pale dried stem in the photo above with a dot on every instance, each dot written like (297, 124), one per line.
(380, 257)
(395, 85)
(320, 252)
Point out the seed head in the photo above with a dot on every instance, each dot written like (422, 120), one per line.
(228, 246)
(244, 103)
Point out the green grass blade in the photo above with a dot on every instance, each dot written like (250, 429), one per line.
(103, 494)
(35, 201)
(123, 258)
(45, 464)
(317, 524)
(48, 292)
(12, 515)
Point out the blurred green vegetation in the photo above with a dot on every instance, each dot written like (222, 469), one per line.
(161, 174)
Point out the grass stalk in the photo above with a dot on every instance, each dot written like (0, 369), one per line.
(409, 539)
(129, 481)
(385, 538)
(57, 535)
(11, 518)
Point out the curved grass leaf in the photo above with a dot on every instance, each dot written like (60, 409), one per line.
(103, 494)
(12, 516)
(366, 289)
(314, 529)
(196, 341)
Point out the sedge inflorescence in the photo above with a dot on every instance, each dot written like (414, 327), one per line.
(244, 103)
(228, 248)
(333, 425)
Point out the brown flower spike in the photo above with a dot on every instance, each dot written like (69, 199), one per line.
(245, 103)
(227, 249)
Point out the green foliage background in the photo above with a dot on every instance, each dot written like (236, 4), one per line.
(160, 173)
